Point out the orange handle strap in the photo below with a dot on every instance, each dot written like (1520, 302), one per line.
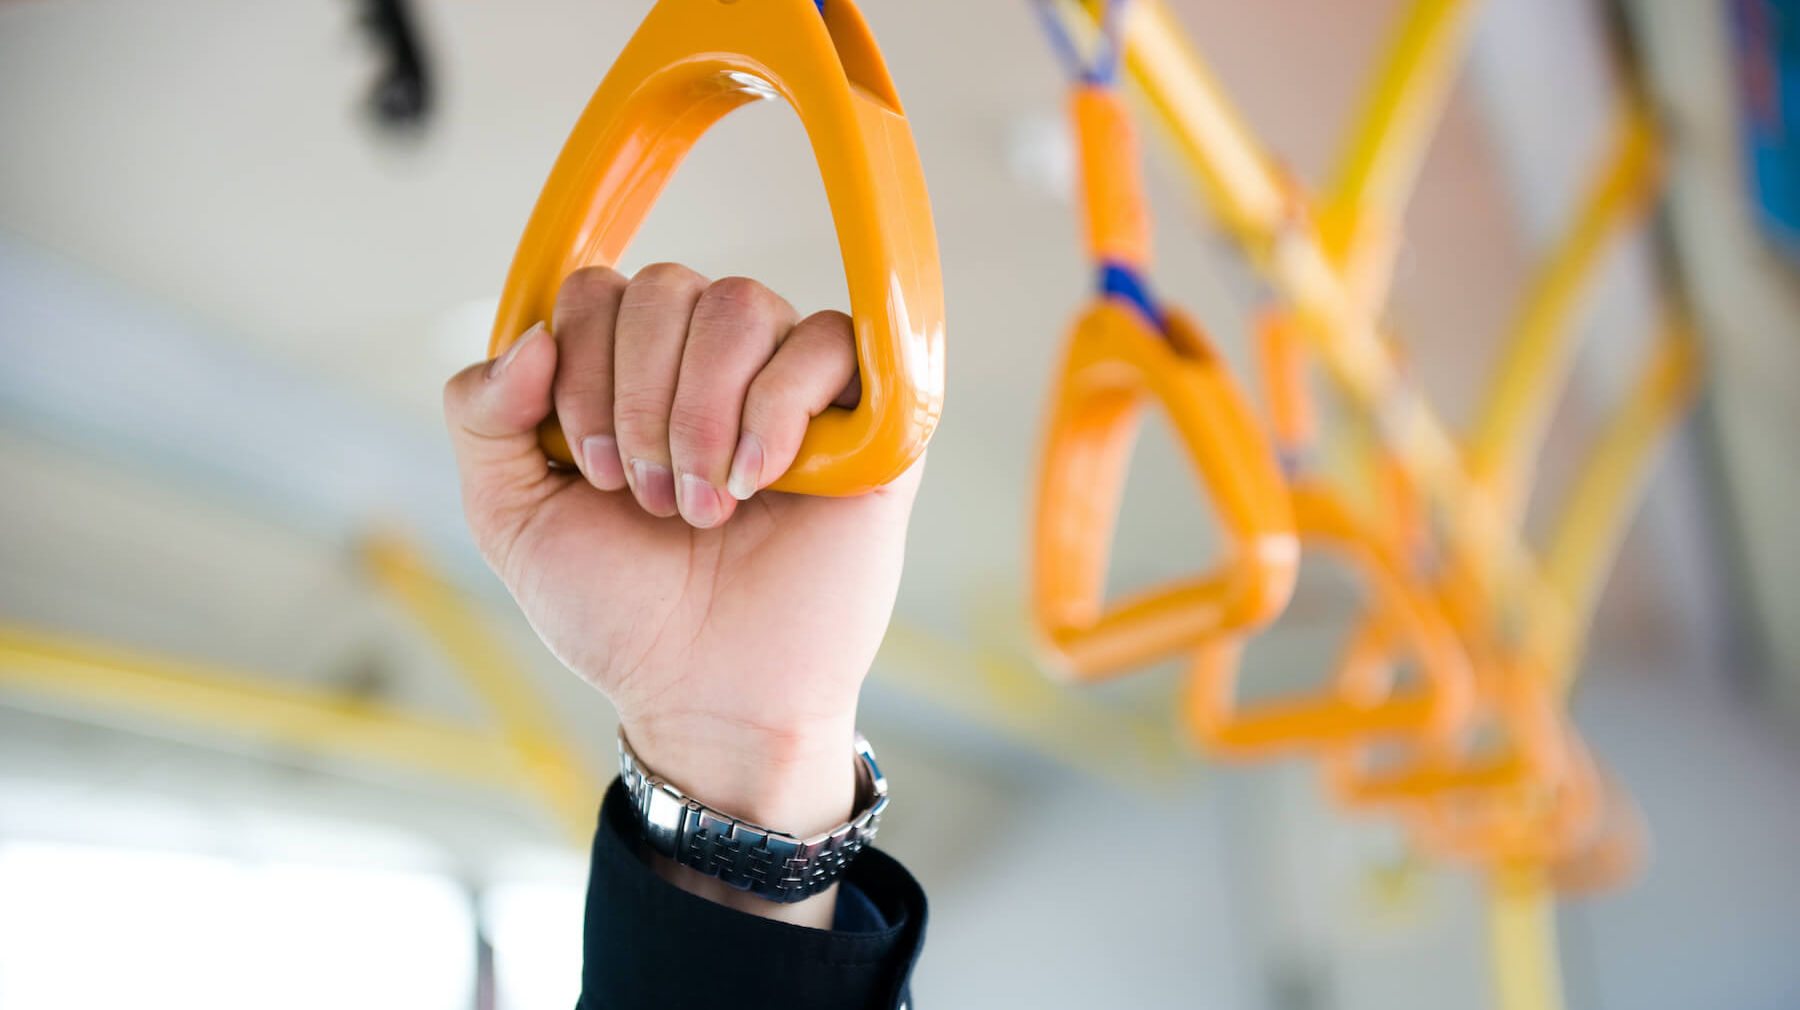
(1114, 363)
(691, 62)
(1282, 354)
(1350, 708)
(1115, 214)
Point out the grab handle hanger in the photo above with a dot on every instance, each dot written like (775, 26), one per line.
(690, 63)
(1125, 350)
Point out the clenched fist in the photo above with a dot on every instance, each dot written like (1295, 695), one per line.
(731, 627)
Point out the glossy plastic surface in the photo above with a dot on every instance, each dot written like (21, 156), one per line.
(1114, 364)
(690, 63)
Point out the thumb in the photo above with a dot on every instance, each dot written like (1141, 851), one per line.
(493, 409)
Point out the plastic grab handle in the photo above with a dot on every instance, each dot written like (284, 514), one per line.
(1539, 821)
(1512, 697)
(1616, 855)
(1354, 706)
(690, 63)
(1114, 363)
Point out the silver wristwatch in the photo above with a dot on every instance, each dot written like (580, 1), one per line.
(770, 864)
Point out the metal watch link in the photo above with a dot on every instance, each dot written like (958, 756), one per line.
(769, 864)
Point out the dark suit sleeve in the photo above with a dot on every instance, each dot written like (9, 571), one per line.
(649, 944)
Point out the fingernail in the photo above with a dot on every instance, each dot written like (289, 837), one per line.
(498, 365)
(699, 502)
(746, 468)
(655, 487)
(600, 457)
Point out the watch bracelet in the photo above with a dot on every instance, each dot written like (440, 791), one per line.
(773, 865)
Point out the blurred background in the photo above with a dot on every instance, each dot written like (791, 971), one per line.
(247, 749)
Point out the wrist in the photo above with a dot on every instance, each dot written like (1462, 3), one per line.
(797, 781)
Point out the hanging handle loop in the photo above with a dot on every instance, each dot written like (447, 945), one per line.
(690, 63)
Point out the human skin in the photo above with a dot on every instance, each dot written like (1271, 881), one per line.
(731, 626)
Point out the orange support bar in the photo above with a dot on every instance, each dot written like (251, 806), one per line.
(691, 62)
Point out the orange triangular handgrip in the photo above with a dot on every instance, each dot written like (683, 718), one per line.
(690, 63)
(1510, 694)
(1114, 364)
(1615, 855)
(1537, 821)
(1348, 709)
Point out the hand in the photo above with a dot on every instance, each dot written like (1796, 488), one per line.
(731, 627)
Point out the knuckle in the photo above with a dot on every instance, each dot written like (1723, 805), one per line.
(831, 325)
(453, 393)
(584, 384)
(640, 413)
(738, 303)
(584, 378)
(824, 342)
(739, 295)
(770, 394)
(459, 389)
(700, 430)
(588, 289)
(666, 277)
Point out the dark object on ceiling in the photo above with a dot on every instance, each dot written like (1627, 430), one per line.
(401, 97)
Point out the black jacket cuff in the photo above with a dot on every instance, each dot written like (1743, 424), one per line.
(649, 943)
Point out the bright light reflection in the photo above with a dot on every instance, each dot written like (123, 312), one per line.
(84, 927)
(536, 932)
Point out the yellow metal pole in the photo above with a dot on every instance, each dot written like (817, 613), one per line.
(526, 723)
(233, 703)
(1522, 931)
(1536, 361)
(1359, 221)
(1597, 511)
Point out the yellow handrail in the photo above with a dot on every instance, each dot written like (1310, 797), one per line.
(247, 705)
(1537, 356)
(552, 765)
(1595, 513)
(1359, 219)
(1522, 931)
